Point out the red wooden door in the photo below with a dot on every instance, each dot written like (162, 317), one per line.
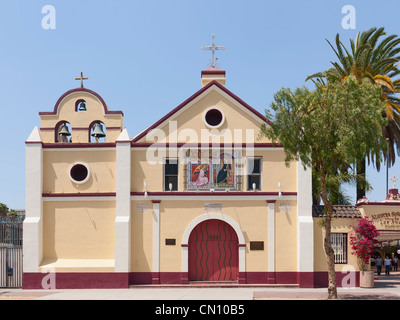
(213, 252)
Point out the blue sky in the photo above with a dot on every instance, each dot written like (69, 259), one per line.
(144, 57)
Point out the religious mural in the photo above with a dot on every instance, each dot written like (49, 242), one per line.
(212, 170)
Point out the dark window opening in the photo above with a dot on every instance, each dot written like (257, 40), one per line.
(254, 174)
(171, 175)
(213, 117)
(79, 172)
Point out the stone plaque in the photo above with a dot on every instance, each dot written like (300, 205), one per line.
(257, 245)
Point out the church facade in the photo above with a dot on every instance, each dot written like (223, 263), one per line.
(196, 197)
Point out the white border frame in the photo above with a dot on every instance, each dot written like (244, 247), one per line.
(218, 125)
(87, 168)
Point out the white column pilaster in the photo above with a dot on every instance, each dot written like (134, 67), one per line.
(156, 242)
(305, 229)
(123, 204)
(33, 223)
(271, 241)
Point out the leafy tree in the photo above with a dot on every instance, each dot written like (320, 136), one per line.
(3, 210)
(328, 129)
(373, 58)
(6, 212)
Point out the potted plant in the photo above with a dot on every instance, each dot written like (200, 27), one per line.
(362, 244)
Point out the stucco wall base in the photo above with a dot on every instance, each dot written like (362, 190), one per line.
(342, 279)
(124, 280)
(62, 280)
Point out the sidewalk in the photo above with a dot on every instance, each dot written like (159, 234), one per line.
(386, 288)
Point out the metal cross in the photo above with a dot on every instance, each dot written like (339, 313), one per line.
(213, 48)
(394, 179)
(82, 78)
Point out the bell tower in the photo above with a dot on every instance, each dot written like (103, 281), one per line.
(80, 116)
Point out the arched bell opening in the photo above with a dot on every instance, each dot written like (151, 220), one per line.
(63, 132)
(97, 131)
(80, 105)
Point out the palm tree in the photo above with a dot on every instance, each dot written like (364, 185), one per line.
(371, 60)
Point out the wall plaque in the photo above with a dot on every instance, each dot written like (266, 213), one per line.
(141, 207)
(213, 207)
(285, 207)
(170, 242)
(257, 245)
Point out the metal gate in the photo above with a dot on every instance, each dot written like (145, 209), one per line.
(10, 253)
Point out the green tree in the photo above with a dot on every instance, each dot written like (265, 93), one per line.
(3, 209)
(373, 58)
(328, 129)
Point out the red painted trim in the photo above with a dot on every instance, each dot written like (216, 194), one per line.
(54, 112)
(216, 193)
(185, 245)
(194, 96)
(240, 245)
(378, 204)
(79, 145)
(205, 145)
(271, 201)
(213, 71)
(89, 194)
(156, 201)
(86, 280)
(155, 278)
(79, 128)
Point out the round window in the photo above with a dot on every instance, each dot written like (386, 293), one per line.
(79, 173)
(213, 118)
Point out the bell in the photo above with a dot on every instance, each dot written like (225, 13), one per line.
(82, 106)
(98, 131)
(64, 130)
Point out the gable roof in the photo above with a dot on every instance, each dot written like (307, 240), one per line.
(194, 96)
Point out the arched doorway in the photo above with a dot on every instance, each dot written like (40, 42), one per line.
(213, 252)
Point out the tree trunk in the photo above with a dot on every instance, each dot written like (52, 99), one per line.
(332, 288)
(360, 166)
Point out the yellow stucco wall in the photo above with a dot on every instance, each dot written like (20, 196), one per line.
(273, 172)
(339, 225)
(190, 120)
(78, 230)
(286, 237)
(57, 163)
(176, 215)
(141, 237)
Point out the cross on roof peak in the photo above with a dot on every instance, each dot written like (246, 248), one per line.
(394, 179)
(82, 78)
(213, 48)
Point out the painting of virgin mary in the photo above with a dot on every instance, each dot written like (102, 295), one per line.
(225, 174)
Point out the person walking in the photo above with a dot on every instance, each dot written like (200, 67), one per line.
(395, 263)
(388, 263)
(378, 263)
